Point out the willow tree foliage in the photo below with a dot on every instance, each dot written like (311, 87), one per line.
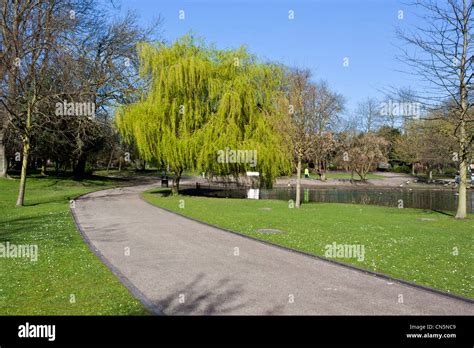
(200, 101)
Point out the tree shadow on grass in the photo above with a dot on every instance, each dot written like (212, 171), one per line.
(162, 192)
(64, 199)
(444, 213)
(205, 296)
(24, 228)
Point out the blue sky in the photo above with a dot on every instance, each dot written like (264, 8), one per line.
(321, 35)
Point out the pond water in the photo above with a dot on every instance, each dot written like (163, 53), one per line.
(434, 199)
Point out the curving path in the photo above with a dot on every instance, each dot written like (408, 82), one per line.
(179, 266)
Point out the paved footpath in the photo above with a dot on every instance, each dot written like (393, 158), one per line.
(179, 266)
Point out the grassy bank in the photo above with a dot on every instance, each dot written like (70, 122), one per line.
(339, 175)
(67, 278)
(424, 247)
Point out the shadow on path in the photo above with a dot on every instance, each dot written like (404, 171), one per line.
(203, 296)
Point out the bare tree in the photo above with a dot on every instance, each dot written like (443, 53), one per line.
(323, 148)
(302, 95)
(426, 143)
(101, 64)
(56, 51)
(364, 153)
(327, 106)
(443, 57)
(30, 31)
(368, 113)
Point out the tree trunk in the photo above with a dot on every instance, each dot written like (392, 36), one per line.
(463, 164)
(430, 175)
(413, 169)
(80, 168)
(43, 167)
(298, 183)
(324, 170)
(462, 199)
(110, 160)
(24, 164)
(3, 157)
(464, 144)
(175, 186)
(321, 170)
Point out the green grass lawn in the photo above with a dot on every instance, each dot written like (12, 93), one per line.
(66, 269)
(128, 172)
(395, 241)
(340, 175)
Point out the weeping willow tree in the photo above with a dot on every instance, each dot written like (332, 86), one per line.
(201, 101)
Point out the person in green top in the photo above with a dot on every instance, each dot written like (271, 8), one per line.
(306, 173)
